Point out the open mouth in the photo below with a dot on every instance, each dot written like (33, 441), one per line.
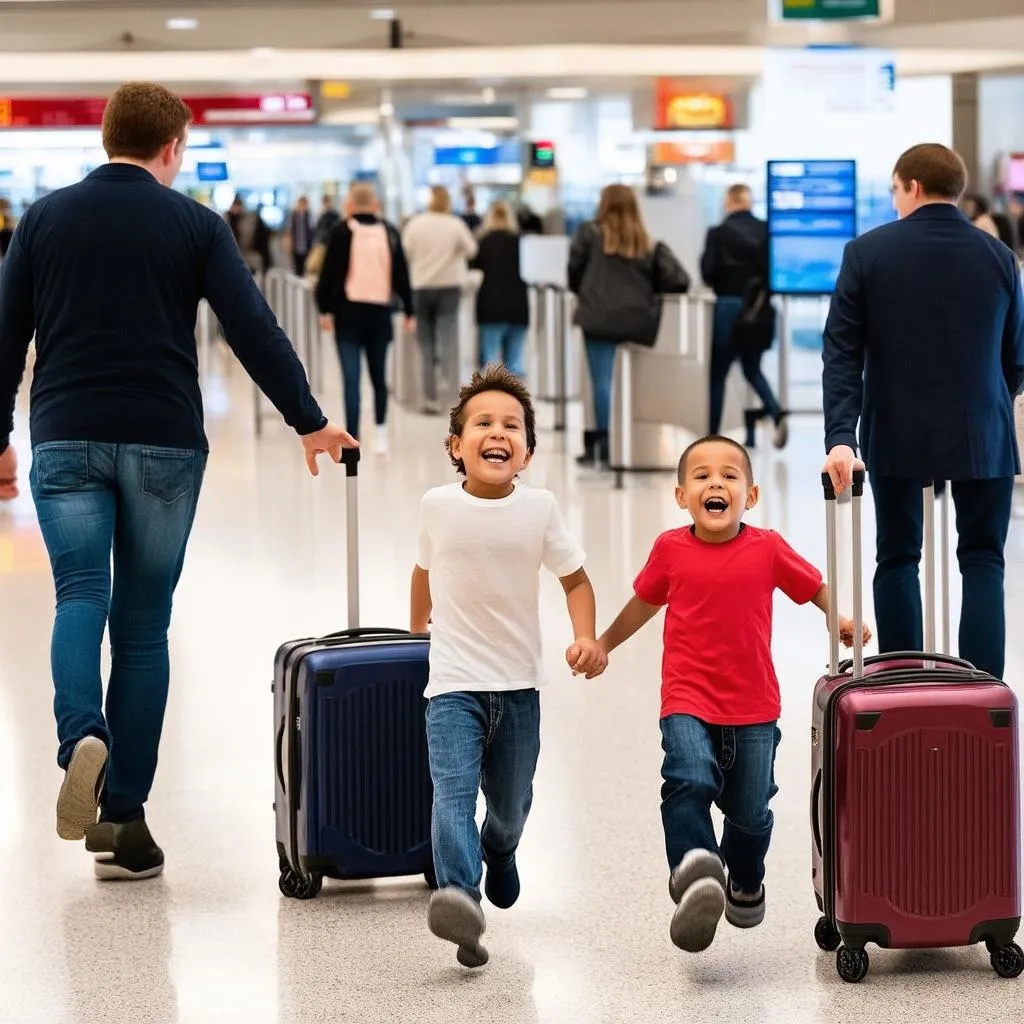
(716, 506)
(496, 456)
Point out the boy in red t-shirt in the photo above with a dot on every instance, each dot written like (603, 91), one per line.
(720, 696)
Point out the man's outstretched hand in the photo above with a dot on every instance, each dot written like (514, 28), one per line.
(9, 474)
(330, 439)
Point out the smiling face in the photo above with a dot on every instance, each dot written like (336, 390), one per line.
(492, 446)
(716, 489)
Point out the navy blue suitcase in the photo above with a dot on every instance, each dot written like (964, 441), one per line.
(352, 790)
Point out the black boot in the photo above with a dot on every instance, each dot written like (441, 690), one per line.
(589, 448)
(602, 449)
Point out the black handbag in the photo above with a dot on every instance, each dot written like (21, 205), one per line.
(754, 330)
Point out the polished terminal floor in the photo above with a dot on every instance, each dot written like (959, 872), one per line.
(213, 940)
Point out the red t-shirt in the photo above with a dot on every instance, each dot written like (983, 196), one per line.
(717, 664)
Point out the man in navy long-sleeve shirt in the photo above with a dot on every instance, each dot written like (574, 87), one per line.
(924, 345)
(107, 275)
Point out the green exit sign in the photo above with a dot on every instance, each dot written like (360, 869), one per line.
(830, 10)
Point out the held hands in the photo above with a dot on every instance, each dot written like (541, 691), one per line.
(587, 657)
(330, 439)
(9, 474)
(846, 632)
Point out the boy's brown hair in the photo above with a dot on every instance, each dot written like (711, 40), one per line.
(494, 377)
(141, 118)
(716, 439)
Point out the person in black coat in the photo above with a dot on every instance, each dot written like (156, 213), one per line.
(735, 259)
(924, 345)
(502, 303)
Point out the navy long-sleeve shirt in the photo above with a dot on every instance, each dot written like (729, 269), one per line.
(108, 275)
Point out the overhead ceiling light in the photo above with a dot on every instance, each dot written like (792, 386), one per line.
(488, 95)
(263, 52)
(567, 92)
(182, 24)
(382, 14)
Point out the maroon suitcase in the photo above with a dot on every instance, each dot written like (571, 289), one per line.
(915, 791)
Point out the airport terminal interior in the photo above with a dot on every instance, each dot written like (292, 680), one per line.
(540, 106)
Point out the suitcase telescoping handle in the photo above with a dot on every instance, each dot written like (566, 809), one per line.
(929, 567)
(350, 460)
(832, 558)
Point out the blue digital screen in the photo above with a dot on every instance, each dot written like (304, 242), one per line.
(210, 171)
(465, 156)
(812, 214)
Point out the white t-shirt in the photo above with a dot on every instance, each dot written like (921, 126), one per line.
(437, 246)
(484, 558)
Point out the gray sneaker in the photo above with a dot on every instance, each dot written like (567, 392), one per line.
(697, 886)
(78, 800)
(695, 864)
(742, 909)
(126, 852)
(456, 917)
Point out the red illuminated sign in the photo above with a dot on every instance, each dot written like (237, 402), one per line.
(87, 112)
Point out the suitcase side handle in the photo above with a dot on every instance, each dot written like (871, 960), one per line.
(369, 631)
(815, 817)
(940, 659)
(278, 751)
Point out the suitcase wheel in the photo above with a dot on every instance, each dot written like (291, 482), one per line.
(852, 964)
(1008, 961)
(300, 887)
(826, 936)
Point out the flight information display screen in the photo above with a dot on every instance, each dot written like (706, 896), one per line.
(812, 214)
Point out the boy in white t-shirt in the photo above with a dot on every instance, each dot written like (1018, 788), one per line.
(482, 544)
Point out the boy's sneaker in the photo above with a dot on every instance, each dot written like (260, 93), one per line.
(456, 917)
(380, 441)
(698, 887)
(127, 852)
(78, 800)
(502, 884)
(743, 910)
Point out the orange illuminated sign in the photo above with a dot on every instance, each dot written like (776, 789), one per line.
(5, 113)
(668, 154)
(676, 108)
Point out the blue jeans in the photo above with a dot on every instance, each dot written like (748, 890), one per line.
(138, 503)
(503, 343)
(731, 766)
(724, 353)
(352, 342)
(480, 741)
(982, 523)
(601, 361)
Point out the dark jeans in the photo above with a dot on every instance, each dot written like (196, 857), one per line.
(982, 523)
(480, 741)
(731, 766)
(601, 362)
(724, 354)
(138, 503)
(503, 343)
(299, 262)
(352, 341)
(437, 329)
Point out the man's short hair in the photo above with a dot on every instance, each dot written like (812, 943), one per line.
(141, 118)
(716, 439)
(739, 193)
(940, 170)
(362, 195)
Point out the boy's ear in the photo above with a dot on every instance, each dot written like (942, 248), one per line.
(681, 496)
(753, 495)
(455, 446)
(529, 459)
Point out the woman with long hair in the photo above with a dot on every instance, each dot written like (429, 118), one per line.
(618, 274)
(438, 245)
(502, 303)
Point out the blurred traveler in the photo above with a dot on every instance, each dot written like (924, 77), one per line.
(364, 269)
(438, 245)
(924, 345)
(735, 266)
(529, 221)
(119, 448)
(251, 235)
(618, 274)
(6, 226)
(978, 211)
(502, 303)
(470, 217)
(328, 220)
(299, 237)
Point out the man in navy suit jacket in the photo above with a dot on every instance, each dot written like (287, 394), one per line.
(925, 345)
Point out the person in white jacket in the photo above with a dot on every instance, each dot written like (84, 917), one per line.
(438, 246)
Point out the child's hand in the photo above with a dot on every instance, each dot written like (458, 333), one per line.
(587, 657)
(846, 632)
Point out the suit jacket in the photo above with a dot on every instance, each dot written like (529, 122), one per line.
(925, 345)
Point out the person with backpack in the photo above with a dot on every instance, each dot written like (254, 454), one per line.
(735, 266)
(364, 270)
